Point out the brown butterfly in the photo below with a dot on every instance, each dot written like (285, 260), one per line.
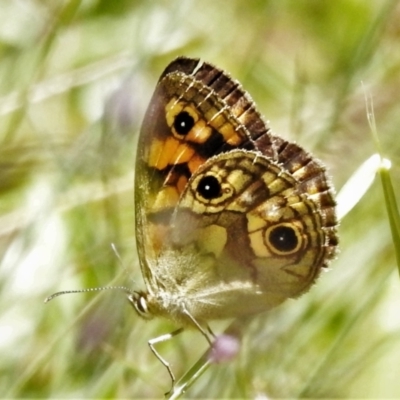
(231, 219)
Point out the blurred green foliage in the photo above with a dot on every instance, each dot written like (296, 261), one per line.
(75, 79)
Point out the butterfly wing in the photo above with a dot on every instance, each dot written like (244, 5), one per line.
(196, 112)
(246, 235)
(220, 254)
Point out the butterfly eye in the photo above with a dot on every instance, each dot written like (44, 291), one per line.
(209, 187)
(284, 239)
(183, 123)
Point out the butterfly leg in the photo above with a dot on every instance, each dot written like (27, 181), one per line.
(200, 328)
(211, 332)
(160, 339)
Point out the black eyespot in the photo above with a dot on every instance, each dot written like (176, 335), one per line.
(209, 187)
(283, 238)
(183, 123)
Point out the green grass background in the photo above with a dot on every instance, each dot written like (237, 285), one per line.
(75, 79)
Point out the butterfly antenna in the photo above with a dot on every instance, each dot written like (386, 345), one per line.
(96, 289)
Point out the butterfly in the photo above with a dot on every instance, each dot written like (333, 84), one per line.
(231, 219)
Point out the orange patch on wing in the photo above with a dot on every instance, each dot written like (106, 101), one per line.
(182, 154)
(195, 163)
(170, 147)
(217, 121)
(155, 152)
(230, 135)
(181, 184)
(200, 132)
(161, 152)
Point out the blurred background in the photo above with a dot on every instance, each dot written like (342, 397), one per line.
(75, 80)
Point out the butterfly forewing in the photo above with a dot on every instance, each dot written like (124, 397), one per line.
(196, 112)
